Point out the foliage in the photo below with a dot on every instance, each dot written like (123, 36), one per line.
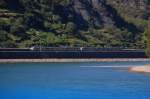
(54, 23)
(147, 38)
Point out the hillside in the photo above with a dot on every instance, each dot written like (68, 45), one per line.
(98, 23)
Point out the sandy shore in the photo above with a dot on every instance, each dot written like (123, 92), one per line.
(141, 69)
(68, 60)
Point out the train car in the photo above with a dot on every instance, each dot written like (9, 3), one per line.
(78, 52)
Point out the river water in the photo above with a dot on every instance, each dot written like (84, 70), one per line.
(97, 80)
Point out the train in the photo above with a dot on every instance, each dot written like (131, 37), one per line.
(70, 52)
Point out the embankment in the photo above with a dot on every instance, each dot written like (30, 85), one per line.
(69, 60)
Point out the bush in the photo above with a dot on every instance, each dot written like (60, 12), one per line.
(147, 38)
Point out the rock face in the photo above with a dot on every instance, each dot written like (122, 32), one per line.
(92, 11)
(104, 13)
(134, 8)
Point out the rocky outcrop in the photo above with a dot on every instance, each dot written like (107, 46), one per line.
(140, 69)
(133, 8)
(93, 12)
(101, 13)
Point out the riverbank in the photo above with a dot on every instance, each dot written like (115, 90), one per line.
(69, 60)
(140, 69)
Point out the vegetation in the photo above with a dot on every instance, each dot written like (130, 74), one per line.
(147, 38)
(25, 23)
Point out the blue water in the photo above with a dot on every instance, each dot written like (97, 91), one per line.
(73, 81)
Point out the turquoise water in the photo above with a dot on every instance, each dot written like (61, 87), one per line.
(73, 81)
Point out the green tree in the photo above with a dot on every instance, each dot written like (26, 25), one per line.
(70, 28)
(147, 38)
